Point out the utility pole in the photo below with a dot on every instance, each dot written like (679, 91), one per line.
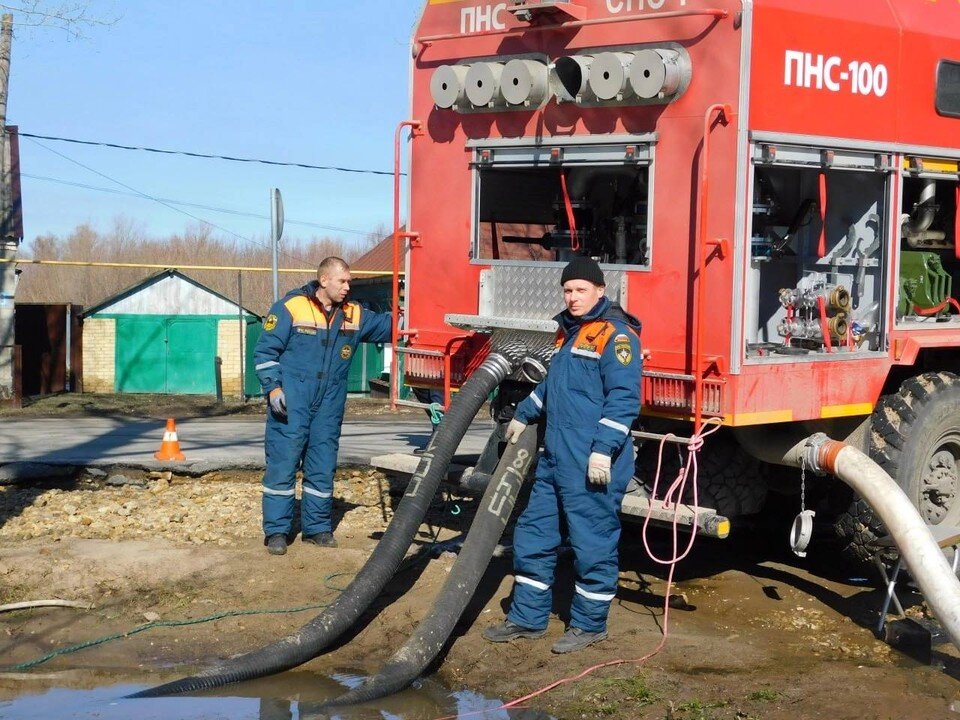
(276, 232)
(8, 237)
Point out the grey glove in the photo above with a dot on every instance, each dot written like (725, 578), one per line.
(598, 469)
(278, 403)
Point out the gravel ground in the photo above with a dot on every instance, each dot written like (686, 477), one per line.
(219, 509)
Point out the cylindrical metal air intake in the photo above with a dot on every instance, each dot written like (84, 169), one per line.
(447, 86)
(483, 83)
(568, 79)
(608, 77)
(654, 73)
(524, 82)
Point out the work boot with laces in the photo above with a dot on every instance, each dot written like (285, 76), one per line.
(323, 539)
(576, 639)
(507, 631)
(276, 544)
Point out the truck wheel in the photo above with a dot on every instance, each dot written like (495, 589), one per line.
(730, 480)
(915, 438)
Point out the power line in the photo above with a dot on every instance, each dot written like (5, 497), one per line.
(176, 266)
(227, 211)
(206, 156)
(161, 202)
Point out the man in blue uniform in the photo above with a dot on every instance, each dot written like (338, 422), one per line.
(302, 359)
(590, 397)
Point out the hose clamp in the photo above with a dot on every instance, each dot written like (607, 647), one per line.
(811, 452)
(498, 365)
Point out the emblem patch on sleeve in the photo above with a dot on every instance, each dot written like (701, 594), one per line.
(346, 351)
(622, 349)
(270, 323)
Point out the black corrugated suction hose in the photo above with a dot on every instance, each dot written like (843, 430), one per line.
(429, 637)
(311, 639)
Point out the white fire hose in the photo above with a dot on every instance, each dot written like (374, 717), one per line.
(919, 550)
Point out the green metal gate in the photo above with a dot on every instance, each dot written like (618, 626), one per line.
(165, 354)
(251, 383)
(367, 361)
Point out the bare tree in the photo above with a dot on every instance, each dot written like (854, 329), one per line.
(374, 237)
(72, 16)
(127, 242)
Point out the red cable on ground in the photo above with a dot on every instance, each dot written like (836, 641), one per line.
(676, 490)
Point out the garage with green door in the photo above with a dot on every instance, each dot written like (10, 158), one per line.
(168, 334)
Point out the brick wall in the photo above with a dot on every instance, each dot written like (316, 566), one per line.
(228, 349)
(99, 355)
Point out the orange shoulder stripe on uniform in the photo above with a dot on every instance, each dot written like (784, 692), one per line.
(559, 339)
(594, 336)
(304, 314)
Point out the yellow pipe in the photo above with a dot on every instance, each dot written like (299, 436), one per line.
(235, 268)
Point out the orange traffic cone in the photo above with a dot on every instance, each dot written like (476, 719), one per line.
(170, 447)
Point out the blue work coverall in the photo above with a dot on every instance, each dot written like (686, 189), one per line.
(307, 352)
(590, 397)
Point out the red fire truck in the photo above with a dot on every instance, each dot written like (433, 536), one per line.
(771, 186)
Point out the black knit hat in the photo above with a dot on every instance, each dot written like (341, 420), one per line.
(583, 268)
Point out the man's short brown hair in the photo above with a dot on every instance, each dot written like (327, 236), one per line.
(331, 264)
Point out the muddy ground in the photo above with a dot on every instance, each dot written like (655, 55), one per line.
(182, 407)
(762, 634)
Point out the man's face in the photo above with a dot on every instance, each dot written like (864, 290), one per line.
(580, 296)
(335, 285)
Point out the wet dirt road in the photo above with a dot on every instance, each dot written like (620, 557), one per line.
(762, 634)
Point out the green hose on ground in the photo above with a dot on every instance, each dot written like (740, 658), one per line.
(70, 649)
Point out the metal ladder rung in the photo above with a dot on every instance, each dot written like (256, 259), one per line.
(660, 436)
(414, 404)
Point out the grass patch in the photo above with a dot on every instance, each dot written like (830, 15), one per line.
(694, 710)
(764, 695)
(632, 688)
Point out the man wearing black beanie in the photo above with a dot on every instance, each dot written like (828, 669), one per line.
(583, 268)
(590, 398)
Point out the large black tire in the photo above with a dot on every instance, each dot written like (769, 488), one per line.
(915, 438)
(730, 481)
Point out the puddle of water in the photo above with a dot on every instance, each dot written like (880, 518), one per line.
(292, 696)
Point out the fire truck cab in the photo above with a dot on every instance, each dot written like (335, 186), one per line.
(771, 186)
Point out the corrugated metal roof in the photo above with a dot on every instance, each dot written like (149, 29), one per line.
(380, 257)
(168, 292)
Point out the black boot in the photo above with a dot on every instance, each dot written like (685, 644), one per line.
(276, 544)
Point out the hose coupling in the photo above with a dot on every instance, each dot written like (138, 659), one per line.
(498, 365)
(509, 346)
(532, 369)
(810, 456)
